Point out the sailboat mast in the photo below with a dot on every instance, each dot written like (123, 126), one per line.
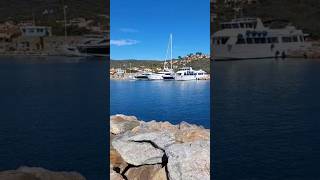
(171, 48)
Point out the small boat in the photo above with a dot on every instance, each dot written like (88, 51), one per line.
(185, 74)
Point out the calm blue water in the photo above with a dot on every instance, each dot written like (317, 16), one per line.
(53, 114)
(171, 101)
(266, 119)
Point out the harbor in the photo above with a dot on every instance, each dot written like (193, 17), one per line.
(179, 69)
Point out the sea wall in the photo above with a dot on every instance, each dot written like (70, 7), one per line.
(158, 150)
(37, 173)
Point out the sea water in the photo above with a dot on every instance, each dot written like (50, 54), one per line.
(173, 101)
(53, 114)
(266, 119)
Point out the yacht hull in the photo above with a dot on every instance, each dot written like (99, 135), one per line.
(185, 78)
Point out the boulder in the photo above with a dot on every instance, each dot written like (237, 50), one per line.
(137, 153)
(160, 174)
(189, 161)
(153, 126)
(159, 139)
(44, 174)
(115, 158)
(37, 173)
(115, 176)
(120, 123)
(147, 172)
(191, 135)
(16, 175)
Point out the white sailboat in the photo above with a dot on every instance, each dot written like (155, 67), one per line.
(166, 73)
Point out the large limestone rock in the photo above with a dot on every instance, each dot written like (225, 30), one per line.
(148, 172)
(159, 150)
(159, 139)
(36, 173)
(137, 153)
(191, 135)
(189, 161)
(153, 126)
(115, 158)
(121, 123)
(160, 175)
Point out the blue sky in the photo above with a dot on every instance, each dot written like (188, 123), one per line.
(140, 28)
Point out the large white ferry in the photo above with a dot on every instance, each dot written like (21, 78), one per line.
(249, 38)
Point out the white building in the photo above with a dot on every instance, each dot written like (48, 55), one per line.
(36, 31)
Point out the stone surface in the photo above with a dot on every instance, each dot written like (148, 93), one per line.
(115, 158)
(36, 173)
(191, 135)
(137, 153)
(153, 126)
(160, 175)
(16, 175)
(115, 176)
(159, 150)
(160, 139)
(143, 172)
(120, 123)
(189, 161)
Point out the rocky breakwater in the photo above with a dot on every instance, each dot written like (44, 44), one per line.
(158, 150)
(37, 173)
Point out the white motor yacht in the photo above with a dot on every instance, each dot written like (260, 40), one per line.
(185, 74)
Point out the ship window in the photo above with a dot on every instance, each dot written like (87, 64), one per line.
(249, 40)
(241, 41)
(286, 39)
(241, 25)
(227, 26)
(249, 25)
(295, 39)
(263, 40)
(224, 40)
(274, 40)
(235, 26)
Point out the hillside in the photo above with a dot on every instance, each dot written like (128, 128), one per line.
(24, 10)
(203, 64)
(304, 14)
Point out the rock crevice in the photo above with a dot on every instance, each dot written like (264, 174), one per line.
(159, 150)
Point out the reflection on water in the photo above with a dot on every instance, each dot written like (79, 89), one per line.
(162, 100)
(266, 119)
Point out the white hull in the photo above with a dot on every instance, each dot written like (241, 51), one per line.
(155, 77)
(202, 77)
(185, 77)
(255, 51)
